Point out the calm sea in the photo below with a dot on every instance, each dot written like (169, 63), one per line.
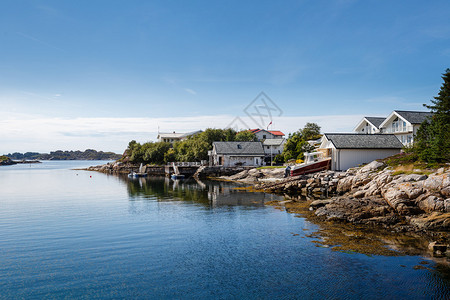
(76, 234)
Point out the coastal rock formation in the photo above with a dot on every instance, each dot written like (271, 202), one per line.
(372, 194)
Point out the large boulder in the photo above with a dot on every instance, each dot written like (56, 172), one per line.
(373, 166)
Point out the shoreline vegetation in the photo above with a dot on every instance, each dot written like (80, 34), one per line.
(88, 154)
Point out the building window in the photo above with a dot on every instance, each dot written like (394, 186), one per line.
(409, 138)
(264, 136)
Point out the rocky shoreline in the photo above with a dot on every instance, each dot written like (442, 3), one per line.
(370, 195)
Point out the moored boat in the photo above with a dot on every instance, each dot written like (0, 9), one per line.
(314, 162)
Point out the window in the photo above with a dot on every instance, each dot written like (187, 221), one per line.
(239, 146)
(264, 136)
(409, 138)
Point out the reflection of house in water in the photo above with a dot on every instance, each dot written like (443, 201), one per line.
(220, 195)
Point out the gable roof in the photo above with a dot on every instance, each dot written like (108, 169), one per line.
(375, 121)
(414, 117)
(363, 141)
(274, 132)
(239, 148)
(177, 135)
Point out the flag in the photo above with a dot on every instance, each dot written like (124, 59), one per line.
(269, 125)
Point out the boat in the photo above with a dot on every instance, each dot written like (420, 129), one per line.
(176, 175)
(142, 172)
(314, 162)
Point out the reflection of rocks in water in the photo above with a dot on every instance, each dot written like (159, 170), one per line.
(209, 193)
(351, 238)
(228, 195)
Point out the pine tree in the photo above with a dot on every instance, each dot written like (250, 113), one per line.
(433, 137)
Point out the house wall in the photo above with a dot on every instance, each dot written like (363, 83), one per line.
(366, 128)
(343, 159)
(260, 135)
(232, 161)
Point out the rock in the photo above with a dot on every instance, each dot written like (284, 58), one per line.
(436, 247)
(447, 205)
(434, 183)
(371, 167)
(344, 184)
(397, 199)
(435, 221)
(319, 203)
(411, 177)
(411, 190)
(359, 194)
(431, 203)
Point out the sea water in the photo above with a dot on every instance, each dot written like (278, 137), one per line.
(76, 234)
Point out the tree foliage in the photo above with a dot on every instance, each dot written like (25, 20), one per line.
(245, 136)
(297, 144)
(432, 141)
(194, 148)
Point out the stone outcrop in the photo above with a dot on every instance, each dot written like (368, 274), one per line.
(373, 194)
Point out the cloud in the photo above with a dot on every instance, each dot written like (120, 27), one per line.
(23, 133)
(191, 91)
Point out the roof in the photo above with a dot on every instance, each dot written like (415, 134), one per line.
(175, 135)
(414, 117)
(239, 148)
(273, 142)
(274, 132)
(375, 121)
(363, 141)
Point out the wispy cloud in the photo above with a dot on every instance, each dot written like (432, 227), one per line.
(27, 133)
(192, 92)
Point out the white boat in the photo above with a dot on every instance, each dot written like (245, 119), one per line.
(314, 162)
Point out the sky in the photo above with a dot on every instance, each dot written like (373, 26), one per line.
(98, 74)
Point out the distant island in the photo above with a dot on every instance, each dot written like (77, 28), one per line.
(88, 154)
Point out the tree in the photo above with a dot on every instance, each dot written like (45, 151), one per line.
(432, 141)
(311, 131)
(296, 144)
(245, 136)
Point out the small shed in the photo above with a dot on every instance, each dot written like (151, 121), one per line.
(349, 150)
(232, 154)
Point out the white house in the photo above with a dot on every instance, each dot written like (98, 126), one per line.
(352, 149)
(369, 125)
(404, 124)
(273, 147)
(175, 136)
(262, 134)
(231, 154)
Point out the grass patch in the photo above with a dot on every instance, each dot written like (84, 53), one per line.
(408, 163)
(270, 167)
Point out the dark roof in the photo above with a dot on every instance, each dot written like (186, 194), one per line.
(376, 121)
(364, 141)
(239, 148)
(414, 117)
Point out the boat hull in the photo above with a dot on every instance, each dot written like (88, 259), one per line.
(311, 168)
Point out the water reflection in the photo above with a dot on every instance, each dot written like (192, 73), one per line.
(206, 192)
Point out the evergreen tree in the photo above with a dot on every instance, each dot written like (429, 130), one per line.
(432, 142)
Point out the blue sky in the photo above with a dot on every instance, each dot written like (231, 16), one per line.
(96, 74)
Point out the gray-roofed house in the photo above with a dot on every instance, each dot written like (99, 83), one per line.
(273, 147)
(404, 124)
(369, 125)
(352, 149)
(231, 154)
